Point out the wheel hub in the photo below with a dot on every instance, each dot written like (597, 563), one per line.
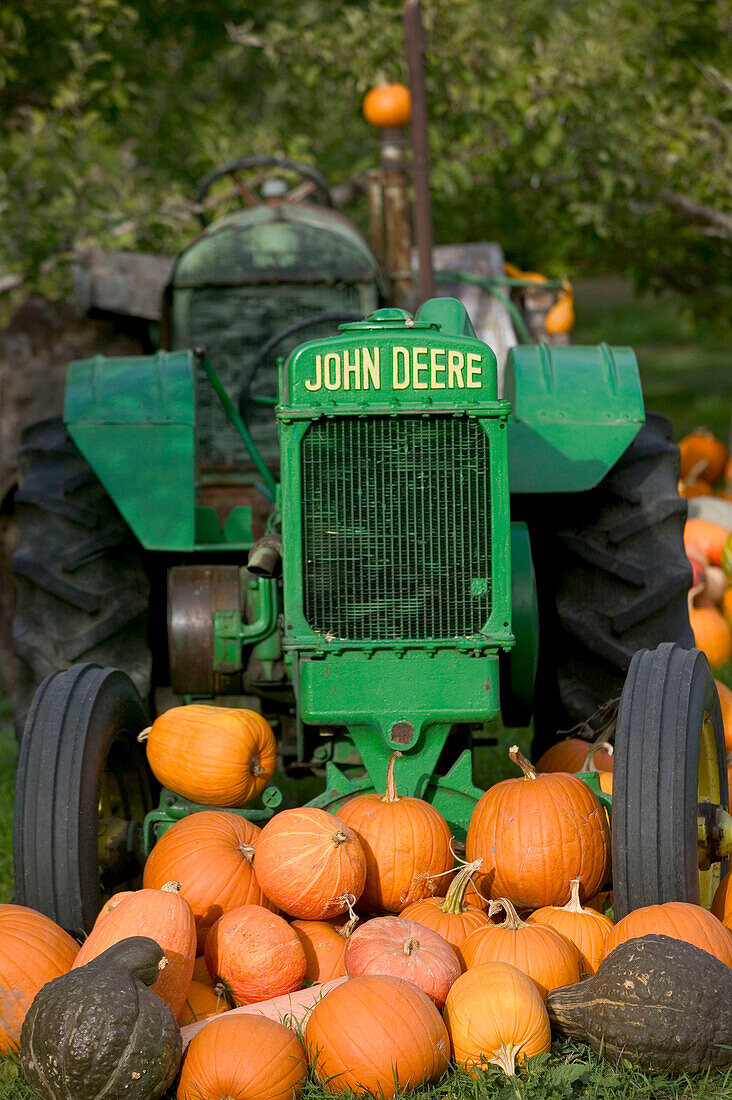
(714, 834)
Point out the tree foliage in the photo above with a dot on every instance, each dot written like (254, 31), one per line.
(579, 135)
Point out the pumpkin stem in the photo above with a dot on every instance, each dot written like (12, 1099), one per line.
(588, 764)
(247, 850)
(163, 963)
(172, 887)
(692, 594)
(144, 734)
(352, 921)
(255, 767)
(455, 899)
(574, 904)
(410, 945)
(513, 920)
(505, 1057)
(339, 838)
(390, 795)
(520, 760)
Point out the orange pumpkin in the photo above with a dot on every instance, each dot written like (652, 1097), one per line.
(450, 917)
(165, 917)
(310, 863)
(706, 536)
(211, 854)
(202, 1001)
(569, 756)
(407, 843)
(112, 904)
(495, 1015)
(702, 455)
(681, 921)
(541, 952)
(587, 929)
(722, 902)
(590, 764)
(404, 949)
(602, 902)
(727, 606)
(535, 835)
(725, 700)
(388, 105)
(216, 756)
(33, 951)
(712, 635)
(693, 488)
(255, 954)
(376, 1035)
(325, 949)
(243, 1057)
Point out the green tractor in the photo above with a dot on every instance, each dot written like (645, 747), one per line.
(319, 505)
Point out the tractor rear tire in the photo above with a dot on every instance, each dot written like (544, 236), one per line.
(82, 593)
(612, 578)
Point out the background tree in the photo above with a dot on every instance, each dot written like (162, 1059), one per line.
(579, 135)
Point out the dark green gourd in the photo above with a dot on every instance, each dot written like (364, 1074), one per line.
(100, 1029)
(656, 1001)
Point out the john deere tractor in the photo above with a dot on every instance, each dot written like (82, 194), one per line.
(320, 505)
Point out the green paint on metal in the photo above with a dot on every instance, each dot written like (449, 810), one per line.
(453, 794)
(231, 633)
(523, 658)
(233, 414)
(134, 422)
(575, 410)
(173, 807)
(244, 279)
(592, 779)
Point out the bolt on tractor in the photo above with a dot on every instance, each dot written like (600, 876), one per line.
(365, 539)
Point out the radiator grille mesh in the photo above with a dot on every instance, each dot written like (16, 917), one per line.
(396, 527)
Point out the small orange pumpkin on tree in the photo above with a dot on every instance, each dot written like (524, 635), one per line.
(388, 105)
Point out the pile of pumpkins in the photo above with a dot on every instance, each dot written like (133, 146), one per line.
(357, 948)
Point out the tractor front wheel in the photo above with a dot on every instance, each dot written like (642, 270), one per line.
(671, 830)
(83, 787)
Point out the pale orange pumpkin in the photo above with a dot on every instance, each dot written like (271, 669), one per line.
(535, 835)
(712, 634)
(496, 1016)
(211, 854)
(388, 105)
(681, 921)
(112, 904)
(165, 917)
(404, 949)
(587, 929)
(325, 948)
(243, 1057)
(569, 756)
(407, 844)
(201, 972)
(203, 1000)
(33, 951)
(702, 455)
(706, 536)
(216, 756)
(256, 954)
(450, 917)
(376, 1035)
(541, 952)
(310, 863)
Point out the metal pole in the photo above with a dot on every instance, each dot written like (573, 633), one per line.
(414, 45)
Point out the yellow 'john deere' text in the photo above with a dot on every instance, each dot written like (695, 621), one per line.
(410, 368)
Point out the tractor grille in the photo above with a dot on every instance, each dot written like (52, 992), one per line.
(396, 527)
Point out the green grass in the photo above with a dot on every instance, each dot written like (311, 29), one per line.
(571, 1072)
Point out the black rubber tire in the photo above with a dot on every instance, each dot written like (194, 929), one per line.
(78, 718)
(81, 589)
(612, 578)
(666, 696)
